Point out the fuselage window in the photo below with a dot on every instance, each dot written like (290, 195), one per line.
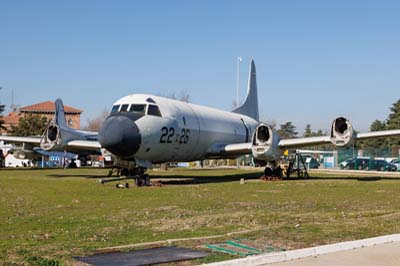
(115, 108)
(124, 108)
(153, 110)
(138, 108)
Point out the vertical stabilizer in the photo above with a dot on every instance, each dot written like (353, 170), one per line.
(250, 105)
(59, 115)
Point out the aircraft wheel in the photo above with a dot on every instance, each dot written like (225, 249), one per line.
(124, 172)
(139, 181)
(278, 172)
(146, 179)
(126, 185)
(268, 171)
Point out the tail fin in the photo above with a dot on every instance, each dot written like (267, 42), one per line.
(250, 105)
(59, 115)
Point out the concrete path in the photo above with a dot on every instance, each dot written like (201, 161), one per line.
(379, 255)
(375, 251)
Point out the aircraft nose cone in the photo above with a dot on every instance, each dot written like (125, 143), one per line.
(120, 136)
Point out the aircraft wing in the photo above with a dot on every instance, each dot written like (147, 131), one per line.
(84, 144)
(379, 134)
(237, 149)
(314, 141)
(13, 139)
(295, 143)
(304, 142)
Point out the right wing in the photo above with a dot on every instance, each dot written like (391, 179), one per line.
(14, 139)
(84, 144)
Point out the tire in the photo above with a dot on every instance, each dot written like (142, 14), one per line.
(268, 171)
(124, 172)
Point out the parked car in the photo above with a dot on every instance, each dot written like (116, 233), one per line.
(355, 164)
(312, 163)
(382, 165)
(343, 165)
(397, 163)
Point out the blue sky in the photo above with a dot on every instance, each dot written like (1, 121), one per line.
(315, 59)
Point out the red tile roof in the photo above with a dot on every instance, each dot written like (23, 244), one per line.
(48, 107)
(11, 119)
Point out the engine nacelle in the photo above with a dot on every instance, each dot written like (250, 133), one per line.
(51, 138)
(342, 133)
(265, 144)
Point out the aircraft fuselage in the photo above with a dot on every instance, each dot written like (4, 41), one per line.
(170, 130)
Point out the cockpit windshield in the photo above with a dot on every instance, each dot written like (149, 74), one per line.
(153, 110)
(124, 108)
(115, 108)
(138, 108)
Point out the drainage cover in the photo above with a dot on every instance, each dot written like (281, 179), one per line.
(143, 257)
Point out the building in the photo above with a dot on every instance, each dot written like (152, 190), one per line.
(47, 109)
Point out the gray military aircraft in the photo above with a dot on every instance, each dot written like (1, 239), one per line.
(57, 137)
(144, 129)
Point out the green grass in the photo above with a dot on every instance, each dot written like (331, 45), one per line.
(49, 216)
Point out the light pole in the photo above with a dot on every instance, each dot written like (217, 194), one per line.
(239, 59)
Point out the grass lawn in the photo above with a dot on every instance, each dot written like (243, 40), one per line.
(49, 216)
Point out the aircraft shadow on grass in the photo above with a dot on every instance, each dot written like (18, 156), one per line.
(190, 180)
(363, 179)
(175, 179)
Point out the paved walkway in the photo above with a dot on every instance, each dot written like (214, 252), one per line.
(379, 255)
(375, 251)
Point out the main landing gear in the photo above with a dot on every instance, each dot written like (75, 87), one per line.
(273, 171)
(136, 173)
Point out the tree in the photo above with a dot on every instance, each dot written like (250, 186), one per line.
(375, 144)
(287, 130)
(2, 107)
(393, 122)
(307, 131)
(30, 125)
(183, 96)
(95, 123)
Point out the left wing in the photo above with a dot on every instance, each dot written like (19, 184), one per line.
(314, 141)
(273, 147)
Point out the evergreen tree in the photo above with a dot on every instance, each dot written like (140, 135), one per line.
(374, 145)
(307, 131)
(393, 122)
(287, 130)
(2, 108)
(31, 125)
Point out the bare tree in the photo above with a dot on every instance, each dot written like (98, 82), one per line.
(94, 124)
(183, 95)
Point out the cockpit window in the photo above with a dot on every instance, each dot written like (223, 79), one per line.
(153, 110)
(138, 108)
(124, 108)
(115, 108)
